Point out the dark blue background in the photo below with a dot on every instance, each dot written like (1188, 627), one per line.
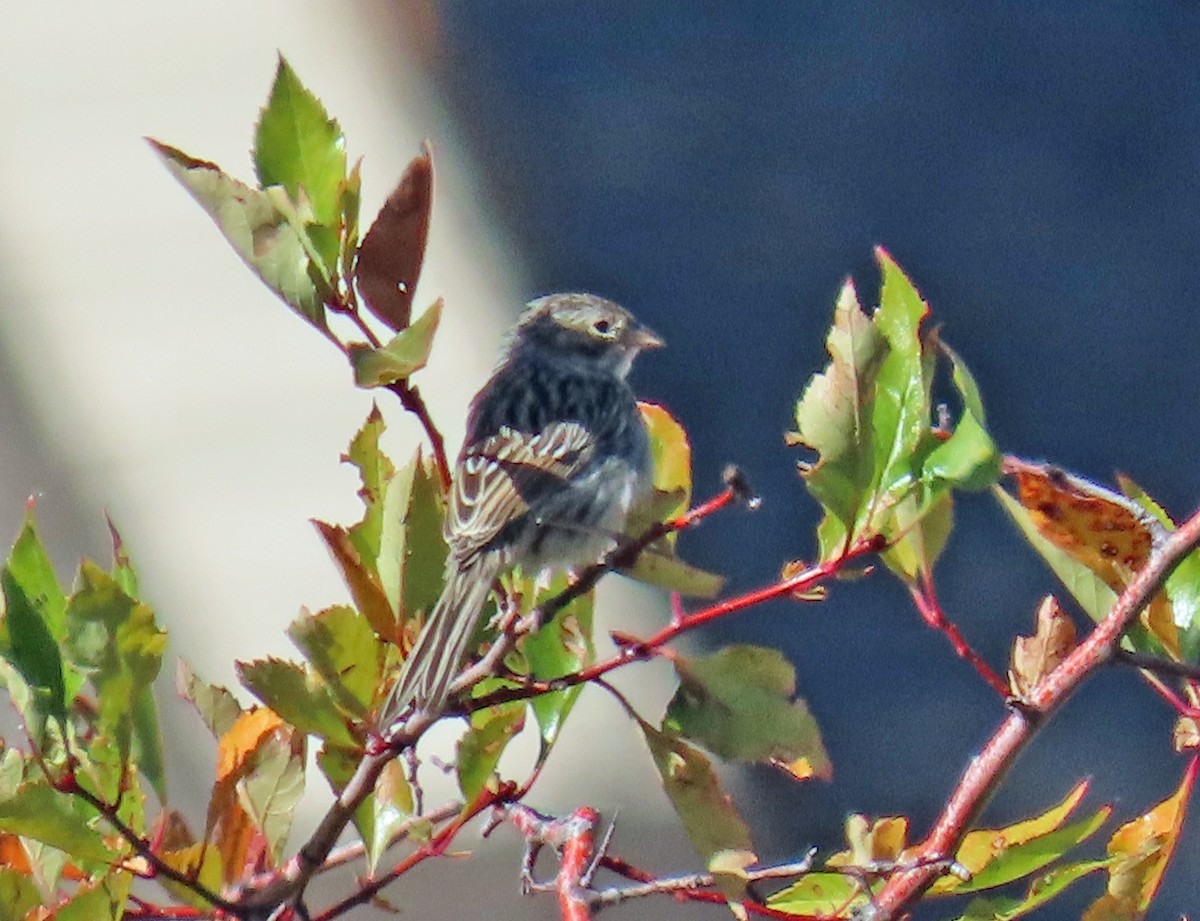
(720, 168)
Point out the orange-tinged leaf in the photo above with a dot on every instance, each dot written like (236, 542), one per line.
(12, 855)
(236, 835)
(1034, 657)
(243, 738)
(1142, 849)
(1111, 535)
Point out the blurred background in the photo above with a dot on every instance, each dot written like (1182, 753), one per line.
(718, 168)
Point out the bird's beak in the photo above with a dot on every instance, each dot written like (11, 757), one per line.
(643, 337)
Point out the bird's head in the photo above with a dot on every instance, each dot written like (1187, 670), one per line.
(585, 327)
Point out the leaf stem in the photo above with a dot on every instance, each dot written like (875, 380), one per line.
(925, 598)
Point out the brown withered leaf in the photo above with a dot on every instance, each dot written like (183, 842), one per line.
(391, 254)
(1034, 657)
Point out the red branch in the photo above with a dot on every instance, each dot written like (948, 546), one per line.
(988, 768)
(633, 649)
(574, 839)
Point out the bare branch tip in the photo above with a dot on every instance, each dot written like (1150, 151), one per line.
(735, 480)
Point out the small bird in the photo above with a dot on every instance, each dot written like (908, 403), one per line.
(556, 453)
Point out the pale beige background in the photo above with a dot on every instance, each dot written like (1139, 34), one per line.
(146, 372)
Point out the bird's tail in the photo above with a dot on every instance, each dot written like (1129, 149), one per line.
(437, 655)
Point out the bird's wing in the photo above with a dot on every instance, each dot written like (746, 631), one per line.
(501, 477)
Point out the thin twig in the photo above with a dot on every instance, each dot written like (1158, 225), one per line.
(411, 399)
(1156, 664)
(144, 850)
(925, 598)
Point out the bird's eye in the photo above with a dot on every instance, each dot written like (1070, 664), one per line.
(601, 327)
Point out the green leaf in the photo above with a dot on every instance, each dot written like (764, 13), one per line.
(1018, 861)
(390, 258)
(921, 534)
(833, 418)
(671, 573)
(413, 551)
(738, 703)
(34, 652)
(479, 750)
(403, 356)
(375, 470)
(148, 741)
(18, 895)
(298, 146)
(1183, 585)
(66, 822)
(217, 707)
(30, 567)
(560, 647)
(391, 805)
(298, 695)
(380, 815)
(868, 417)
(709, 818)
(114, 640)
(345, 652)
(901, 412)
(968, 459)
(820, 895)
(147, 730)
(98, 900)
(264, 237)
(1041, 891)
(351, 200)
(273, 784)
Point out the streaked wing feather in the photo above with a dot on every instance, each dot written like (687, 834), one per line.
(497, 477)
